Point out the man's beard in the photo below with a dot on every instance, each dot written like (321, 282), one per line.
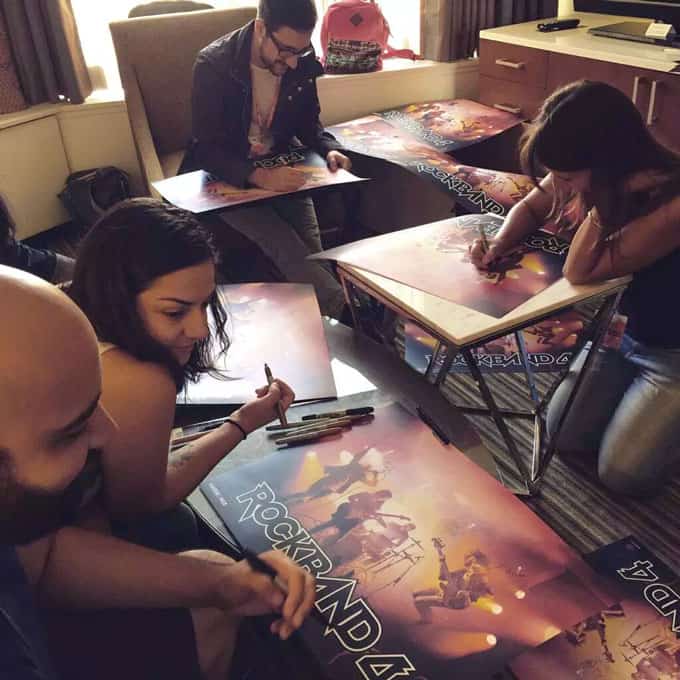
(27, 514)
(276, 67)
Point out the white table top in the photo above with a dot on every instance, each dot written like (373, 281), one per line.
(464, 326)
(579, 43)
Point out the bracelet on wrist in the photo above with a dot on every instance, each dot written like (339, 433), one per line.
(237, 425)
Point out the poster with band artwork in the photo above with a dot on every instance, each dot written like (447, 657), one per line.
(260, 330)
(420, 138)
(426, 566)
(549, 345)
(201, 192)
(435, 258)
(636, 637)
(450, 124)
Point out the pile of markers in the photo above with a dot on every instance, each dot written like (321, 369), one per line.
(319, 425)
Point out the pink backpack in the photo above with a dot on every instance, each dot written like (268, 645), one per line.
(356, 24)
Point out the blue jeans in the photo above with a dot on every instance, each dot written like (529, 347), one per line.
(287, 231)
(628, 411)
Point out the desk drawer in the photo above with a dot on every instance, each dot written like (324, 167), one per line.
(513, 62)
(516, 98)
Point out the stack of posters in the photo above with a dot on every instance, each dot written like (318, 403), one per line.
(426, 566)
(274, 323)
(634, 638)
(200, 192)
(435, 258)
(421, 137)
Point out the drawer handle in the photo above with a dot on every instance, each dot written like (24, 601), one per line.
(651, 118)
(510, 109)
(517, 65)
(636, 88)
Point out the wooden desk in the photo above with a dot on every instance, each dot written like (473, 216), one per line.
(520, 66)
(458, 329)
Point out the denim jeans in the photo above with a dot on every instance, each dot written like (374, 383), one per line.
(286, 229)
(628, 411)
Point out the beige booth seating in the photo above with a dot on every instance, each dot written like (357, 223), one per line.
(156, 55)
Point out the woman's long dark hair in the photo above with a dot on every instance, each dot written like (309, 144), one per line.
(7, 230)
(136, 242)
(589, 125)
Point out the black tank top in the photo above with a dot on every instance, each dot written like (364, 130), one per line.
(648, 303)
(648, 300)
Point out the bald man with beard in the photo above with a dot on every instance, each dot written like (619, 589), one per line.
(75, 603)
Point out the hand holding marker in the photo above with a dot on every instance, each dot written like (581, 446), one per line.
(279, 408)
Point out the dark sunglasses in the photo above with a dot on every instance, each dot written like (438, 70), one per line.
(288, 52)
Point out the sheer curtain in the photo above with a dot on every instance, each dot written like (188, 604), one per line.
(46, 48)
(11, 97)
(449, 29)
(93, 18)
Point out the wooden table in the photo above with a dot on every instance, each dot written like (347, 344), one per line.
(459, 329)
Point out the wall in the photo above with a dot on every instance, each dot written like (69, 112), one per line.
(351, 96)
(42, 145)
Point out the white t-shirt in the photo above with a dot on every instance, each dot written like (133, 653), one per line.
(266, 88)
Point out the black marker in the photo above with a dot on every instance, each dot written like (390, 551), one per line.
(257, 564)
(361, 411)
(558, 25)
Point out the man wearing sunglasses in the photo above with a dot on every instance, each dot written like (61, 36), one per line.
(254, 94)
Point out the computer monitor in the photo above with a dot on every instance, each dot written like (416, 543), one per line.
(667, 11)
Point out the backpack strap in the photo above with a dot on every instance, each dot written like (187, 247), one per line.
(389, 52)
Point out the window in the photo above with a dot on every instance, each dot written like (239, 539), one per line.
(93, 25)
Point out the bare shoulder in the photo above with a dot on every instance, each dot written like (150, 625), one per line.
(124, 376)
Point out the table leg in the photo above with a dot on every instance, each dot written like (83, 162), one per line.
(451, 353)
(528, 372)
(433, 361)
(599, 325)
(499, 421)
(349, 297)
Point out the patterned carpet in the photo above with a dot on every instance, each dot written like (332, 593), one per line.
(571, 500)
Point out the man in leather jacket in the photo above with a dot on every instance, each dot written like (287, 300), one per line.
(254, 93)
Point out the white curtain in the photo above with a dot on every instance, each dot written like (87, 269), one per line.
(93, 19)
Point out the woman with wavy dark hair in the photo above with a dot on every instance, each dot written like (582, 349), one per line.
(618, 190)
(145, 277)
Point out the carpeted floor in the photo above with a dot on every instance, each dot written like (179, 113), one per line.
(571, 500)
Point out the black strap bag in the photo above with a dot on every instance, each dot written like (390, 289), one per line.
(88, 194)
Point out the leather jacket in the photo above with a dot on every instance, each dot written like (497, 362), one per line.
(222, 109)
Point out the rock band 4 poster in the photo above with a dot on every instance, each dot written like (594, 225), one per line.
(636, 637)
(435, 258)
(201, 192)
(426, 566)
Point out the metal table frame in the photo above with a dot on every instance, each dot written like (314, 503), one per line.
(544, 446)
